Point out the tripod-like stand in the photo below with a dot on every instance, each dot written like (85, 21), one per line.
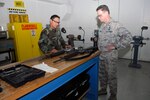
(137, 42)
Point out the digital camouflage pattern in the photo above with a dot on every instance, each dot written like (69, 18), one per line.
(50, 39)
(111, 33)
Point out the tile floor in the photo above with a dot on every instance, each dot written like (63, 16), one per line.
(133, 83)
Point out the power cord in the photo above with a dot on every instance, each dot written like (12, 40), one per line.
(1, 89)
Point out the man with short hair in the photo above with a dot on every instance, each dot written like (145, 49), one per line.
(112, 37)
(50, 39)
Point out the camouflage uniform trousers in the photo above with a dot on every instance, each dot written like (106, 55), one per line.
(108, 71)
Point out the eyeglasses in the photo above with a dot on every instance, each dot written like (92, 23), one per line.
(99, 16)
(56, 22)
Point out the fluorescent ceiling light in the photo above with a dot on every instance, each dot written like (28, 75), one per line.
(59, 2)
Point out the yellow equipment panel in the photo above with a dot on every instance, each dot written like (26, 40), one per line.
(26, 36)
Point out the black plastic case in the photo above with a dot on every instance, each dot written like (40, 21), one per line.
(20, 74)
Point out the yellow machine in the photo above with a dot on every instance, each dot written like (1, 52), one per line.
(26, 36)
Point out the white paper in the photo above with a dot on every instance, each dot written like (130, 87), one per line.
(45, 67)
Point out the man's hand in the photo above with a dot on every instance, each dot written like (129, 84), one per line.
(110, 47)
(53, 51)
(68, 46)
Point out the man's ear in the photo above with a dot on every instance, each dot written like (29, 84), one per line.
(50, 21)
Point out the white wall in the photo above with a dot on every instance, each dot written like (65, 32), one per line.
(37, 10)
(74, 13)
(4, 18)
(81, 13)
(146, 21)
(133, 14)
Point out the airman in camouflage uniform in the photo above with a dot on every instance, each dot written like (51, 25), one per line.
(112, 37)
(50, 39)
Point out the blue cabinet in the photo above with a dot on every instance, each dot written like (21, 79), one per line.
(90, 66)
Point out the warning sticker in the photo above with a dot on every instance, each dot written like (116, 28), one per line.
(19, 4)
(29, 26)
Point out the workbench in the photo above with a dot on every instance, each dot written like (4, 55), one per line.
(41, 87)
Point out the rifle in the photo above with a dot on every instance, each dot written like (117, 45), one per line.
(71, 55)
(46, 56)
(66, 57)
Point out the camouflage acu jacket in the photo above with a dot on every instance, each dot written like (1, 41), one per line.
(50, 39)
(113, 33)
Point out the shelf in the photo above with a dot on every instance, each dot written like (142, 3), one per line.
(82, 97)
(4, 62)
